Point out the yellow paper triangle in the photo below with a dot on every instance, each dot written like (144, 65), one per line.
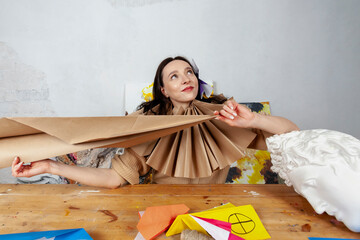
(245, 222)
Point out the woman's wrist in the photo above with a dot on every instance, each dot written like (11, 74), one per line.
(256, 121)
(273, 124)
(53, 167)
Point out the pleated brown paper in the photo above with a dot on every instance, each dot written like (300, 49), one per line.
(197, 151)
(35, 138)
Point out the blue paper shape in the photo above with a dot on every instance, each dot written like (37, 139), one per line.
(316, 238)
(66, 234)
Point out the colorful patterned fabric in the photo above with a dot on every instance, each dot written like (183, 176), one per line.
(95, 158)
(254, 167)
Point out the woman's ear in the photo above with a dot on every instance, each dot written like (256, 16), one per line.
(164, 92)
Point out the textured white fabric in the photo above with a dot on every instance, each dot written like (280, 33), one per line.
(324, 167)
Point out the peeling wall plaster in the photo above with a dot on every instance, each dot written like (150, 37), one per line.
(23, 88)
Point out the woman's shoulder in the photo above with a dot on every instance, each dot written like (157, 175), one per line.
(215, 99)
(138, 112)
(151, 111)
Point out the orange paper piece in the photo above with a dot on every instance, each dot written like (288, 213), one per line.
(157, 219)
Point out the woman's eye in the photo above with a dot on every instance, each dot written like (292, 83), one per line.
(173, 77)
(189, 72)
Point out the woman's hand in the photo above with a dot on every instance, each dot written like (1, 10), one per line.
(236, 115)
(18, 169)
(99, 177)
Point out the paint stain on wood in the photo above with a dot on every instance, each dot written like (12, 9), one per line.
(306, 228)
(107, 212)
(67, 212)
(287, 213)
(293, 227)
(75, 208)
(335, 222)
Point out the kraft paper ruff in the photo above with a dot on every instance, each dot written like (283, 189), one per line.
(198, 151)
(36, 138)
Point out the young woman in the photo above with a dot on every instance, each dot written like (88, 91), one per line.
(201, 154)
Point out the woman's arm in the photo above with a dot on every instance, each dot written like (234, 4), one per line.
(99, 177)
(238, 115)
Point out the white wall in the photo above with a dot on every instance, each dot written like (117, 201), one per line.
(73, 58)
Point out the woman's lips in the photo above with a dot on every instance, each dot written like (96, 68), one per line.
(188, 89)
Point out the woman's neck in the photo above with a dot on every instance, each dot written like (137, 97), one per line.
(183, 105)
(179, 105)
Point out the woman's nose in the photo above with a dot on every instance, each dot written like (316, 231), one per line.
(185, 79)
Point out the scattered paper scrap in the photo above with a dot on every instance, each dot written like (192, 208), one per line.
(244, 222)
(316, 238)
(157, 219)
(186, 222)
(65, 234)
(219, 230)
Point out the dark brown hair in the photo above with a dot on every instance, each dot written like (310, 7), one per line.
(163, 102)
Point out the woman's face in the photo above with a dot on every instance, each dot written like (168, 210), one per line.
(180, 83)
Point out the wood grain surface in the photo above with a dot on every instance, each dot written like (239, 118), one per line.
(113, 213)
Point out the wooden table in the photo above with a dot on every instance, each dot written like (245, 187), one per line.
(113, 214)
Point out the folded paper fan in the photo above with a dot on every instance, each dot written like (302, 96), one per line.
(192, 143)
(198, 151)
(36, 138)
